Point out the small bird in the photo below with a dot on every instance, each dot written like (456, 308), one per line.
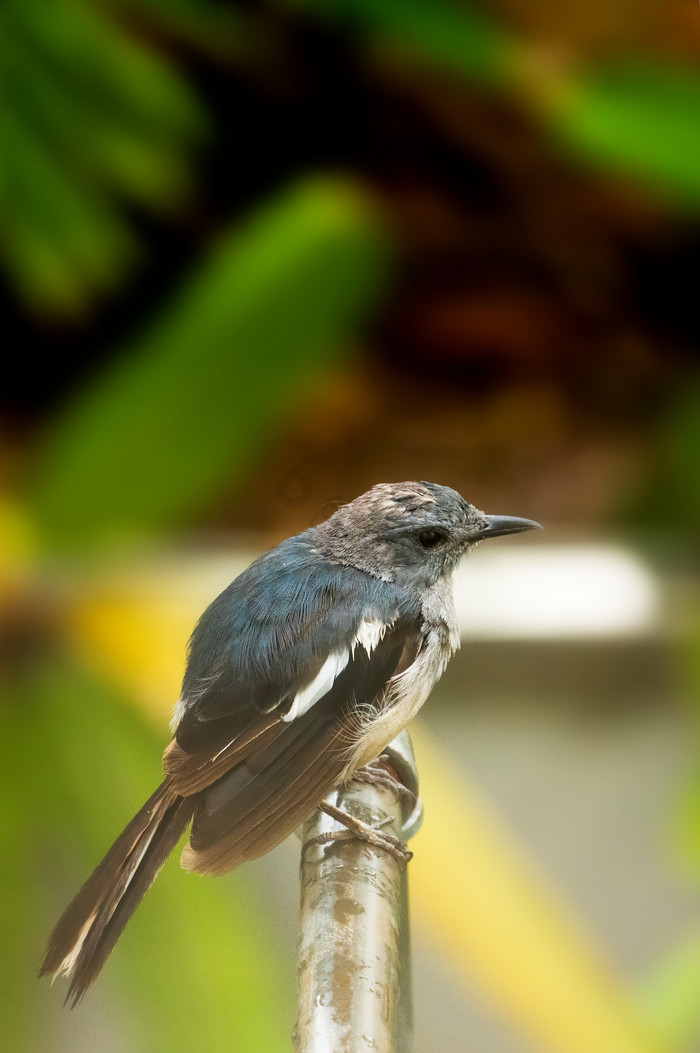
(299, 674)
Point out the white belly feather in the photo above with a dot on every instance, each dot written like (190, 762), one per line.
(407, 691)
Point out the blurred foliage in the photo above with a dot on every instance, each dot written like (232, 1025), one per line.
(636, 115)
(455, 38)
(189, 405)
(639, 117)
(97, 115)
(90, 116)
(218, 28)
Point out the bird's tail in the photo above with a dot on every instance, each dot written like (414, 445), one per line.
(88, 930)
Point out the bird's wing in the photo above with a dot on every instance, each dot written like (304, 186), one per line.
(266, 741)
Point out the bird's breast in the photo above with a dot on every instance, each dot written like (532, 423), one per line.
(404, 696)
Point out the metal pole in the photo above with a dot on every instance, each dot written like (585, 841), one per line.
(353, 961)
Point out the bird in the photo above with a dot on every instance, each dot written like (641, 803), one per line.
(298, 675)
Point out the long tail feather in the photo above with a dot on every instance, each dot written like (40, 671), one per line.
(88, 930)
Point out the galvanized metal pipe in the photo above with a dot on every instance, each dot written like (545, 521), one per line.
(353, 975)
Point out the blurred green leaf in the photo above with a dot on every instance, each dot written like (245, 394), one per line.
(457, 38)
(197, 966)
(89, 117)
(134, 153)
(669, 995)
(189, 404)
(640, 117)
(59, 244)
(212, 26)
(94, 53)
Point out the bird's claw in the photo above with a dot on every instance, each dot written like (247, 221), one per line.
(356, 829)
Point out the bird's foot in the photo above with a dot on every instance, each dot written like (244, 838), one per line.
(377, 775)
(356, 829)
(341, 835)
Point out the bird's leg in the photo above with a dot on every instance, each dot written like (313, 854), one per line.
(355, 828)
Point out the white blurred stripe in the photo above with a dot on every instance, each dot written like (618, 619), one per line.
(564, 591)
(503, 590)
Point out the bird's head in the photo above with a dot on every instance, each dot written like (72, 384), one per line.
(410, 533)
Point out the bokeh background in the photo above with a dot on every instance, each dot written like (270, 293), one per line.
(256, 257)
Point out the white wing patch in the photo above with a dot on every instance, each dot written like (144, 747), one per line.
(319, 686)
(370, 632)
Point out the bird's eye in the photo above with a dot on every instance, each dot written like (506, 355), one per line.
(430, 538)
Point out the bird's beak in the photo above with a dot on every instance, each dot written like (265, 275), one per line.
(496, 526)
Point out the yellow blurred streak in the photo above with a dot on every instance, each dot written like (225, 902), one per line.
(139, 642)
(135, 629)
(133, 620)
(505, 930)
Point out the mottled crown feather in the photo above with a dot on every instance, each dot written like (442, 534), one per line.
(389, 505)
